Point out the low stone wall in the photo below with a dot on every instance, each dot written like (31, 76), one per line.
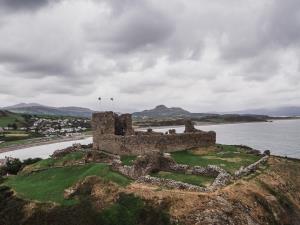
(144, 165)
(244, 171)
(221, 180)
(170, 183)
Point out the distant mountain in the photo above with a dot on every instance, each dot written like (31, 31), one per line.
(162, 111)
(34, 108)
(279, 111)
(23, 105)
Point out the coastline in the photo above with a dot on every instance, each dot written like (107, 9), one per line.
(219, 123)
(41, 142)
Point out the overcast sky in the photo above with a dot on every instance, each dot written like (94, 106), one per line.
(202, 55)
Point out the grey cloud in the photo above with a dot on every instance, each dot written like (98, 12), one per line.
(23, 4)
(189, 53)
(139, 27)
(276, 27)
(284, 23)
(142, 87)
(32, 65)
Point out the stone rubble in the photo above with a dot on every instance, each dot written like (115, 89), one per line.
(244, 171)
(146, 164)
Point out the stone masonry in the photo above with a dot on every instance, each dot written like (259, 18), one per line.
(114, 134)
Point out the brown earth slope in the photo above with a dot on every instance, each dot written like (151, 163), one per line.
(270, 196)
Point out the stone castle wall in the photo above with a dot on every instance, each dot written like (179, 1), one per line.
(115, 134)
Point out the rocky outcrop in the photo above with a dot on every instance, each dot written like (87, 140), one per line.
(100, 157)
(102, 192)
(66, 151)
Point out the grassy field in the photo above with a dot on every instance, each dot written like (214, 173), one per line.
(50, 184)
(10, 118)
(230, 158)
(186, 178)
(128, 159)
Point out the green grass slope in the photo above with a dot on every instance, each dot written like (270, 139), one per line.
(49, 185)
(7, 117)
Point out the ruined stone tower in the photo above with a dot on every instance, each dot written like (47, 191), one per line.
(114, 133)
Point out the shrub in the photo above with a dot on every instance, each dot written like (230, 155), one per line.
(13, 166)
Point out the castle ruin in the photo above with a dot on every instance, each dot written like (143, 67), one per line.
(114, 133)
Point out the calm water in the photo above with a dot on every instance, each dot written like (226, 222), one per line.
(43, 151)
(282, 137)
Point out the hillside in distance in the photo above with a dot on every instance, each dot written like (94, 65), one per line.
(278, 111)
(162, 111)
(37, 109)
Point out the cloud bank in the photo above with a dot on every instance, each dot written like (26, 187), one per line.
(199, 54)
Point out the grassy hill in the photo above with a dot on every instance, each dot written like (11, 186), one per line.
(7, 118)
(37, 109)
(36, 194)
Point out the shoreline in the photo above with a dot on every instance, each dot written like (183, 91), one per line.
(218, 123)
(42, 142)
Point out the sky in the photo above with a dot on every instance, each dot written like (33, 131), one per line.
(202, 55)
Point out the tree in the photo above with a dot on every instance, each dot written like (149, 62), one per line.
(13, 166)
(14, 126)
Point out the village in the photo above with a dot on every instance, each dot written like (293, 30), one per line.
(32, 127)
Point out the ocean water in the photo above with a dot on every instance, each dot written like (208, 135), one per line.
(282, 137)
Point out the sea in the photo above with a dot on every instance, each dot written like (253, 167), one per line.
(281, 137)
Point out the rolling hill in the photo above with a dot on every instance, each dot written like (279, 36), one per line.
(162, 111)
(37, 109)
(278, 111)
(7, 118)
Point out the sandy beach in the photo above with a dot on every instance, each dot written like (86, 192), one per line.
(42, 141)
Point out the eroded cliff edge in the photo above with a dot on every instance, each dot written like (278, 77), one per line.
(271, 195)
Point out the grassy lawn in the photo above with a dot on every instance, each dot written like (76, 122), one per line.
(50, 184)
(128, 159)
(186, 178)
(229, 158)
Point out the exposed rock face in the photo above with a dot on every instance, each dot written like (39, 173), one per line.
(97, 156)
(115, 134)
(63, 152)
(102, 192)
(267, 152)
